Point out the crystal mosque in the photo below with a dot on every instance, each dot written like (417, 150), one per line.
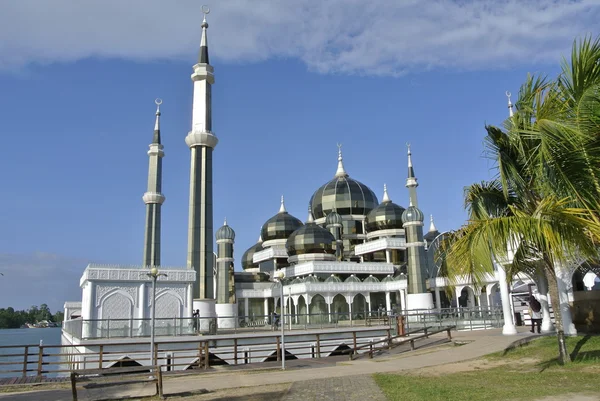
(352, 256)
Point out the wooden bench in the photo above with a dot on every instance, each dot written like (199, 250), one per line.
(117, 377)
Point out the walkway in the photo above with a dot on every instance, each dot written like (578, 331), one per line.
(311, 380)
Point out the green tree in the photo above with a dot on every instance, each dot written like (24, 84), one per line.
(543, 202)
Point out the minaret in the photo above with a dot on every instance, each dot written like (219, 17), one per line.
(201, 141)
(153, 198)
(225, 239)
(510, 105)
(411, 180)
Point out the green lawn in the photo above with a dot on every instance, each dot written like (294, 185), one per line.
(538, 376)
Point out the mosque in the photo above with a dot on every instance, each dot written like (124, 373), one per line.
(352, 256)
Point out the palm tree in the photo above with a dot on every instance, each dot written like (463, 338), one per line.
(542, 206)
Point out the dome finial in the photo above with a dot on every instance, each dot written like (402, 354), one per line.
(225, 223)
(341, 172)
(282, 207)
(432, 227)
(310, 218)
(510, 105)
(386, 197)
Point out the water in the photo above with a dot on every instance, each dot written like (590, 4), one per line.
(49, 336)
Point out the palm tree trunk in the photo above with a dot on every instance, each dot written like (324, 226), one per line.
(563, 354)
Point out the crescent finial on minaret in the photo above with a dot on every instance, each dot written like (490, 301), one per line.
(156, 139)
(510, 105)
(203, 58)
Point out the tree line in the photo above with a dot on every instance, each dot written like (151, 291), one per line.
(12, 319)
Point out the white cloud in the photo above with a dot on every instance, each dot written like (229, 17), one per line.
(331, 36)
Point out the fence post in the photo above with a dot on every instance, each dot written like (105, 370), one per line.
(73, 386)
(155, 352)
(235, 351)
(40, 360)
(371, 349)
(354, 341)
(389, 339)
(278, 349)
(25, 361)
(100, 357)
(206, 364)
(318, 346)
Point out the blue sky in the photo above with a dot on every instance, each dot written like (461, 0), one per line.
(77, 113)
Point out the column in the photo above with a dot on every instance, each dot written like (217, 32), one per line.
(246, 309)
(388, 256)
(438, 299)
(509, 327)
(563, 278)
(388, 302)
(542, 287)
(329, 311)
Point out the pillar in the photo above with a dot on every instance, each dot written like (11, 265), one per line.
(509, 328)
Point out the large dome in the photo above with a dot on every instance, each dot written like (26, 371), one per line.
(310, 238)
(343, 195)
(388, 215)
(247, 262)
(280, 226)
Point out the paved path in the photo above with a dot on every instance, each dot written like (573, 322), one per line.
(310, 382)
(349, 388)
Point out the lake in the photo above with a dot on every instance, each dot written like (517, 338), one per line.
(49, 336)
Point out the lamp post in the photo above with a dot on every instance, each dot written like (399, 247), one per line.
(279, 279)
(154, 274)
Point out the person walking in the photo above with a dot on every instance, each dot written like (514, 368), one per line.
(535, 311)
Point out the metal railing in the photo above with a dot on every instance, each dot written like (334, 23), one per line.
(136, 328)
(462, 318)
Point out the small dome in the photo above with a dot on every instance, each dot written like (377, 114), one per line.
(371, 279)
(247, 262)
(352, 279)
(412, 214)
(333, 279)
(310, 238)
(387, 215)
(280, 226)
(387, 278)
(343, 194)
(297, 280)
(311, 279)
(333, 218)
(225, 232)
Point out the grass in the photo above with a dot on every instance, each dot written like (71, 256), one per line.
(522, 373)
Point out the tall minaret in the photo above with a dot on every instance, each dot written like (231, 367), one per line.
(153, 198)
(411, 180)
(201, 141)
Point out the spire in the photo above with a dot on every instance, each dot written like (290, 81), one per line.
(156, 138)
(225, 223)
(386, 198)
(411, 180)
(510, 105)
(411, 170)
(310, 218)
(282, 207)
(432, 227)
(203, 57)
(340, 169)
